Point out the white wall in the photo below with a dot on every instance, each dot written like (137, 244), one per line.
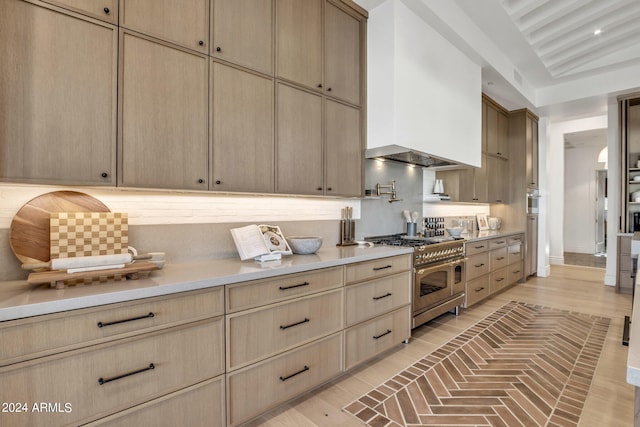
(580, 197)
(421, 88)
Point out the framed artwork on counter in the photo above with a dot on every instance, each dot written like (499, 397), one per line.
(483, 223)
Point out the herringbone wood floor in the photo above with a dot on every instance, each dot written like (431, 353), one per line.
(608, 403)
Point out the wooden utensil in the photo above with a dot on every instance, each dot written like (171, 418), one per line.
(85, 261)
(29, 231)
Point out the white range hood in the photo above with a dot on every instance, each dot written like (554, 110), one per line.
(424, 96)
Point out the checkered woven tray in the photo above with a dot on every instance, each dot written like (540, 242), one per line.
(75, 234)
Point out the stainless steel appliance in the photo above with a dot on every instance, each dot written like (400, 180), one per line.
(533, 196)
(439, 274)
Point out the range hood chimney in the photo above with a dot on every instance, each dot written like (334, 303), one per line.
(409, 156)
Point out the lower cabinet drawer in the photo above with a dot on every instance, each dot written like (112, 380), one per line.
(257, 388)
(499, 279)
(499, 258)
(368, 339)
(40, 336)
(370, 299)
(256, 334)
(477, 265)
(477, 290)
(198, 405)
(515, 272)
(377, 268)
(97, 381)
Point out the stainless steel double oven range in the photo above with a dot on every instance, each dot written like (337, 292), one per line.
(439, 274)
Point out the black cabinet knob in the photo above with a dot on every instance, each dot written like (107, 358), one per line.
(106, 10)
(319, 188)
(201, 42)
(320, 85)
(218, 49)
(329, 90)
(201, 181)
(218, 182)
(104, 174)
(329, 188)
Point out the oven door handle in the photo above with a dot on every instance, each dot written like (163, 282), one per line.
(458, 261)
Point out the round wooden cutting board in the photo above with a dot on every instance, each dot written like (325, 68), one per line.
(29, 231)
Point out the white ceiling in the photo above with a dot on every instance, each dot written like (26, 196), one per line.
(564, 69)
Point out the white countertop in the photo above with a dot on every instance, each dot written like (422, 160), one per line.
(18, 299)
(490, 234)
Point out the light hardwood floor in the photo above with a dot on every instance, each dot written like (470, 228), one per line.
(610, 400)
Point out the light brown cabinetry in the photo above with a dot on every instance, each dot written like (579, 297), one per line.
(492, 265)
(242, 133)
(495, 129)
(378, 307)
(531, 260)
(531, 149)
(343, 149)
(242, 33)
(163, 115)
(105, 10)
(58, 123)
(136, 352)
(185, 23)
(624, 281)
(487, 184)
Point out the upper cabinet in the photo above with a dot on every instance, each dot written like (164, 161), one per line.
(344, 151)
(299, 41)
(242, 33)
(58, 96)
(342, 55)
(532, 151)
(105, 10)
(163, 115)
(242, 131)
(184, 22)
(300, 56)
(495, 130)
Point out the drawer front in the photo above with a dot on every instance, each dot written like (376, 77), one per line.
(625, 244)
(370, 299)
(477, 290)
(477, 265)
(201, 404)
(242, 296)
(515, 253)
(516, 272)
(253, 390)
(368, 339)
(132, 371)
(499, 258)
(498, 243)
(499, 279)
(43, 335)
(378, 268)
(472, 248)
(264, 332)
(624, 262)
(515, 240)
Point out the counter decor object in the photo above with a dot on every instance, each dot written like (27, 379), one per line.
(260, 242)
(304, 245)
(347, 228)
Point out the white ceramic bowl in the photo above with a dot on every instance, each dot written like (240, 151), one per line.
(455, 231)
(304, 245)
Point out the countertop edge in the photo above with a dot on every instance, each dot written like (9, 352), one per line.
(20, 300)
(477, 236)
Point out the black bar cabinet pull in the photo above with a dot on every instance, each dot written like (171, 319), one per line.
(375, 337)
(294, 324)
(102, 381)
(382, 268)
(383, 296)
(306, 368)
(500, 279)
(117, 322)
(284, 288)
(479, 247)
(500, 258)
(479, 265)
(480, 289)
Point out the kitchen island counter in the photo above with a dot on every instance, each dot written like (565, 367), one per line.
(18, 299)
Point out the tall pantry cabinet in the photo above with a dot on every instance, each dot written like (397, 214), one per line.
(185, 95)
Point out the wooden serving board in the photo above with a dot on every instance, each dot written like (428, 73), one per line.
(29, 231)
(60, 278)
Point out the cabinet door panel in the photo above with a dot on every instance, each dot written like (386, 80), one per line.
(184, 22)
(497, 179)
(164, 97)
(344, 153)
(242, 33)
(242, 129)
(299, 41)
(342, 55)
(106, 10)
(299, 142)
(58, 115)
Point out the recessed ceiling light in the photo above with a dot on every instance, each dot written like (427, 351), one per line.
(597, 32)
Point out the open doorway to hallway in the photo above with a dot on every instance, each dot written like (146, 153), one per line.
(585, 198)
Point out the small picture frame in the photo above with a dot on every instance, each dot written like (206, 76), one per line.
(483, 223)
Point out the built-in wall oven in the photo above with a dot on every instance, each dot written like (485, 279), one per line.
(533, 197)
(439, 275)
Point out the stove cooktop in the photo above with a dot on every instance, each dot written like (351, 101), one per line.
(404, 240)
